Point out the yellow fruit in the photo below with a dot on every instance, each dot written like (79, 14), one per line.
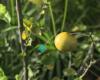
(64, 41)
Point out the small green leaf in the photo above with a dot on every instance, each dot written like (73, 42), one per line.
(49, 58)
(17, 77)
(4, 15)
(7, 17)
(42, 22)
(2, 10)
(69, 72)
(2, 75)
(78, 78)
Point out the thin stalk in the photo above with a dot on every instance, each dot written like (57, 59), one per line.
(58, 67)
(70, 61)
(89, 56)
(52, 18)
(20, 29)
(90, 35)
(88, 67)
(50, 75)
(12, 10)
(65, 13)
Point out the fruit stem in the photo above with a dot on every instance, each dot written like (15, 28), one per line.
(64, 16)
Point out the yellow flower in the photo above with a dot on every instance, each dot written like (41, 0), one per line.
(24, 35)
(27, 24)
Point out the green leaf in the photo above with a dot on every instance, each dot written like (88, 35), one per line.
(17, 77)
(2, 75)
(47, 36)
(2, 42)
(49, 58)
(69, 72)
(77, 59)
(4, 15)
(42, 22)
(9, 29)
(42, 38)
(7, 17)
(78, 78)
(2, 10)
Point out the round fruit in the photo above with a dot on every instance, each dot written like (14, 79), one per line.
(64, 41)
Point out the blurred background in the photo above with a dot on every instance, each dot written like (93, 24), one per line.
(42, 20)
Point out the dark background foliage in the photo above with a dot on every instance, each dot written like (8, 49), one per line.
(82, 18)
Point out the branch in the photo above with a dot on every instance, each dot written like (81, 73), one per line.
(91, 63)
(22, 42)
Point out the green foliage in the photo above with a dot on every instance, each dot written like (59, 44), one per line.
(2, 9)
(42, 21)
(69, 72)
(2, 75)
(78, 79)
(4, 15)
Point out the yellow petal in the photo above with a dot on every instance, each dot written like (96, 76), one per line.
(27, 24)
(24, 35)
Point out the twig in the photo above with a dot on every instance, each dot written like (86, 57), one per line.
(91, 63)
(22, 42)
(70, 62)
(89, 55)
(90, 35)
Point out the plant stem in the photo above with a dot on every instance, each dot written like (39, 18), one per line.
(20, 29)
(11, 8)
(65, 13)
(70, 61)
(52, 18)
(91, 63)
(58, 67)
